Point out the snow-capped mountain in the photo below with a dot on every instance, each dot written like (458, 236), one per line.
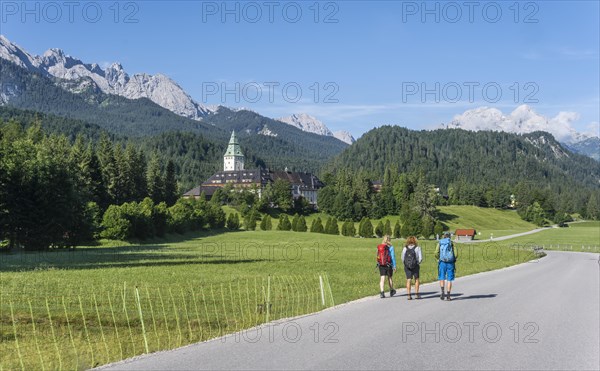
(344, 136)
(112, 80)
(522, 120)
(589, 147)
(311, 124)
(525, 120)
(307, 123)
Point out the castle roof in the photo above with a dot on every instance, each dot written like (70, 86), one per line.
(233, 148)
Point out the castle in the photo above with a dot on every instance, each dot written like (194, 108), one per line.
(304, 185)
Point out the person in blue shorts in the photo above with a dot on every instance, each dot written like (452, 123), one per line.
(447, 256)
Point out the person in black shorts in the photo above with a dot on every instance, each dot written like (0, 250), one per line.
(386, 262)
(412, 257)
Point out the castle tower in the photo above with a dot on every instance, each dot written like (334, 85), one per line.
(233, 159)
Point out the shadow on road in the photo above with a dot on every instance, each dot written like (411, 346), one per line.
(423, 294)
(457, 296)
(488, 296)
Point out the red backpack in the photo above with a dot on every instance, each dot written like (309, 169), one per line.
(383, 255)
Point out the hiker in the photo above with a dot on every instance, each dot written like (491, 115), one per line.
(447, 256)
(412, 257)
(386, 262)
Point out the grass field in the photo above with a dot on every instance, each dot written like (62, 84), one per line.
(484, 221)
(584, 236)
(94, 305)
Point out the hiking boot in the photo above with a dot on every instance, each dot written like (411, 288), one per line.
(442, 296)
(409, 297)
(392, 293)
(382, 295)
(448, 297)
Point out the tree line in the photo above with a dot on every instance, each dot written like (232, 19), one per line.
(531, 172)
(53, 192)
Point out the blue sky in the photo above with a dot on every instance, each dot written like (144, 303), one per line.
(356, 64)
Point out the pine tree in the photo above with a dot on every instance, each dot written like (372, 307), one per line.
(366, 229)
(233, 222)
(284, 223)
(387, 228)
(333, 227)
(108, 167)
(328, 226)
(295, 220)
(405, 232)
(379, 229)
(250, 220)
(317, 226)
(269, 223)
(265, 223)
(301, 225)
(438, 229)
(156, 188)
(397, 229)
(348, 229)
(593, 207)
(426, 227)
(170, 184)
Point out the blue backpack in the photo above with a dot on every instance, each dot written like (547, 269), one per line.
(446, 251)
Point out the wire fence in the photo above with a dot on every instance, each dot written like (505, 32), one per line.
(85, 328)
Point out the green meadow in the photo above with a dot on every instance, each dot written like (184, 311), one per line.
(486, 221)
(578, 236)
(79, 308)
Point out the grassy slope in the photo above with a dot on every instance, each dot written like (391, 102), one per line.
(486, 221)
(231, 269)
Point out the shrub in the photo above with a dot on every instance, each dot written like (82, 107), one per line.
(379, 229)
(317, 226)
(233, 221)
(301, 226)
(284, 223)
(366, 229)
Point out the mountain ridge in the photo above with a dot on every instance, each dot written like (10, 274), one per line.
(112, 80)
(446, 156)
(311, 124)
(523, 119)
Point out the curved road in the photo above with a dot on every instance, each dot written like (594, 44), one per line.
(502, 238)
(539, 315)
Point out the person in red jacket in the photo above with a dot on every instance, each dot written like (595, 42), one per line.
(386, 262)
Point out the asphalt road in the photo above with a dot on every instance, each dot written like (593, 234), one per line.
(538, 315)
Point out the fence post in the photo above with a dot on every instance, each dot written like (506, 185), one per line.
(12, 315)
(268, 297)
(329, 288)
(37, 345)
(53, 334)
(139, 305)
(87, 335)
(322, 292)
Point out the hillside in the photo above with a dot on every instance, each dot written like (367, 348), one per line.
(281, 146)
(486, 158)
(486, 221)
(589, 147)
(141, 117)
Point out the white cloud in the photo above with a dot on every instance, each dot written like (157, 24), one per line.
(593, 129)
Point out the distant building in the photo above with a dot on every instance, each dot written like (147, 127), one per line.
(465, 234)
(304, 185)
(377, 185)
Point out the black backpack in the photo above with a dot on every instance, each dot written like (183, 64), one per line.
(410, 258)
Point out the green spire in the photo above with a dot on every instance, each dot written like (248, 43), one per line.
(233, 149)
